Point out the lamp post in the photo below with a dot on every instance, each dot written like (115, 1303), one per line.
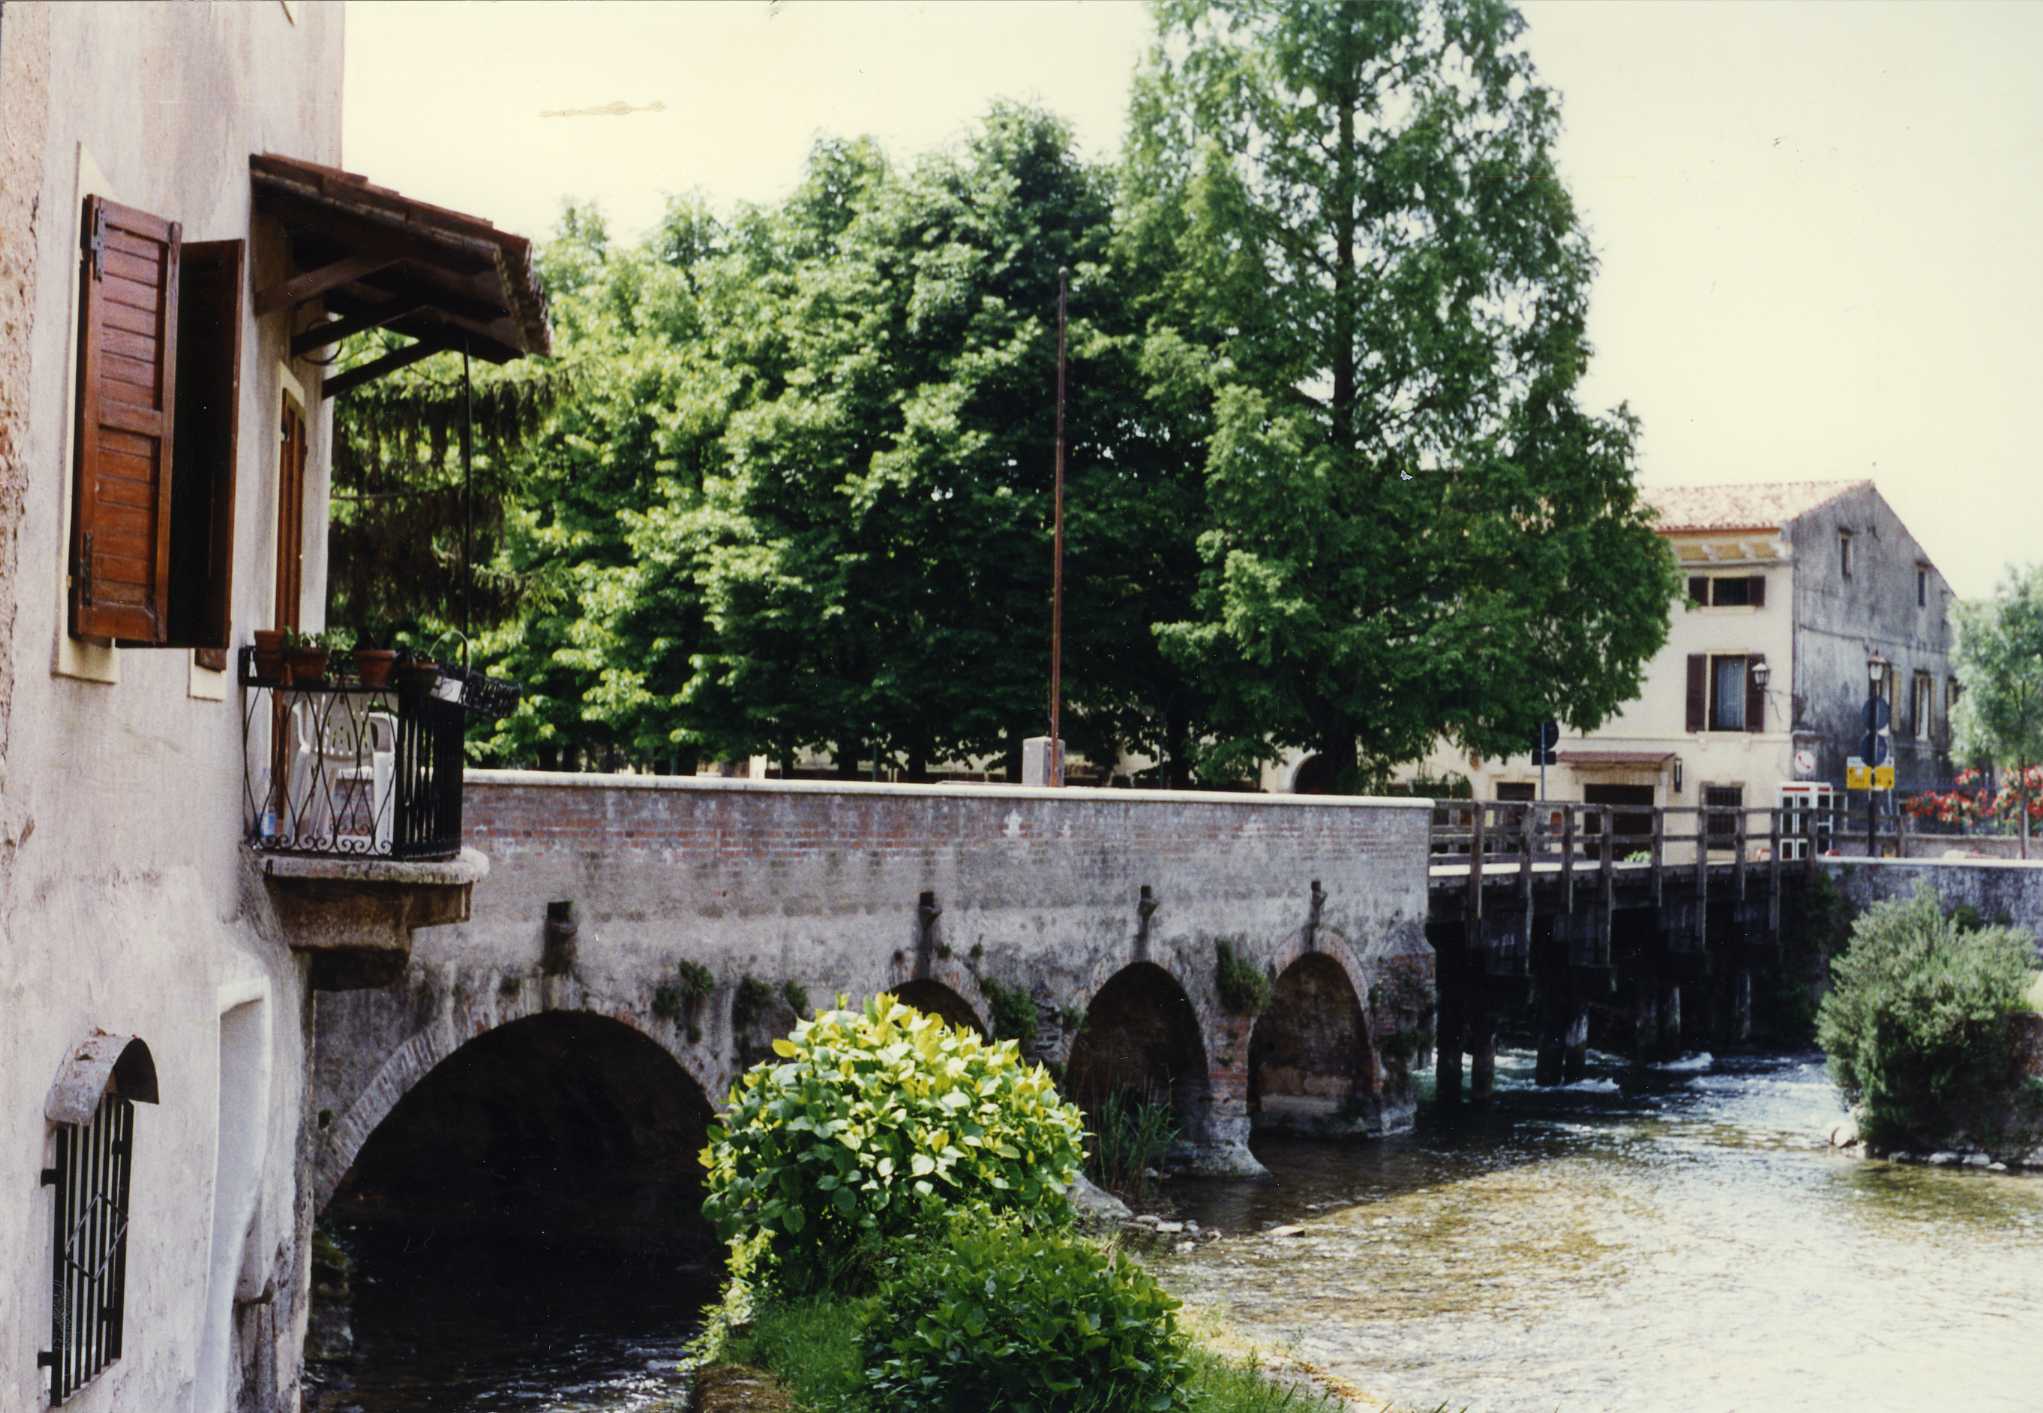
(1876, 673)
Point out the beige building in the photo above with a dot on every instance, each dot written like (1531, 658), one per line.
(1791, 589)
(172, 231)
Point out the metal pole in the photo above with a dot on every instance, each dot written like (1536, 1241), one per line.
(1872, 764)
(467, 493)
(1056, 771)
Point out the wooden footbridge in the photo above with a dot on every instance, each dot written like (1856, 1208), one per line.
(1647, 919)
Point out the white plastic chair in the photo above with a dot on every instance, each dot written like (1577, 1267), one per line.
(379, 730)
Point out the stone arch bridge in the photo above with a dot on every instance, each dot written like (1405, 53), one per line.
(691, 916)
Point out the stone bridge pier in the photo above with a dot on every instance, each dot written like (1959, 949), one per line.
(641, 940)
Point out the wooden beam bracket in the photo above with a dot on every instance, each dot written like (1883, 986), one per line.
(388, 363)
(334, 330)
(313, 283)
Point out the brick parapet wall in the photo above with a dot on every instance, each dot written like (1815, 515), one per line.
(1011, 846)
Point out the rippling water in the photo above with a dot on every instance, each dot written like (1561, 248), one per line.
(1676, 1240)
(1682, 1239)
(460, 1332)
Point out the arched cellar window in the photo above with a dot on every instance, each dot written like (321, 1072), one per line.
(91, 1108)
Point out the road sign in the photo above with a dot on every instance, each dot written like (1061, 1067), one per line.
(1874, 748)
(1543, 740)
(1856, 775)
(1876, 714)
(1883, 777)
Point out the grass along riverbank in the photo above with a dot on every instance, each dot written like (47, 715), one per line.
(810, 1348)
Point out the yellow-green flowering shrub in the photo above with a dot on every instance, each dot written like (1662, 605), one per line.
(867, 1122)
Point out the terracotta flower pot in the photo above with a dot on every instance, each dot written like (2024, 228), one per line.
(373, 665)
(307, 664)
(269, 654)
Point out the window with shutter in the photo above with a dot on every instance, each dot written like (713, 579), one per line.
(127, 400)
(1698, 690)
(1698, 590)
(1755, 695)
(1728, 692)
(159, 377)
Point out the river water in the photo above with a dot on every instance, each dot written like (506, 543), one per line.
(1678, 1239)
(1655, 1242)
(479, 1331)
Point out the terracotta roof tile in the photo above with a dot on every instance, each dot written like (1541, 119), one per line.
(1763, 505)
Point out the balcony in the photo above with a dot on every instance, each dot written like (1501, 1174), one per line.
(352, 805)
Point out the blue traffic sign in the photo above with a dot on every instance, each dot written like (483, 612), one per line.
(1877, 714)
(1873, 747)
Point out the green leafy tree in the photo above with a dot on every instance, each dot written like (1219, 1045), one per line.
(876, 550)
(1375, 272)
(2000, 660)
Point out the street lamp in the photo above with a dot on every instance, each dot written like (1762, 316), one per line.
(1876, 674)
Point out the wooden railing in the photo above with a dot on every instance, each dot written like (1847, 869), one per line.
(1576, 845)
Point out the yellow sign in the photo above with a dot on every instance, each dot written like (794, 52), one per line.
(1858, 777)
(1883, 777)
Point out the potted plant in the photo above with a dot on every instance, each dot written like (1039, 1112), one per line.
(417, 674)
(307, 654)
(373, 661)
(269, 653)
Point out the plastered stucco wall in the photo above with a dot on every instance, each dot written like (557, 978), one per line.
(820, 884)
(24, 121)
(127, 904)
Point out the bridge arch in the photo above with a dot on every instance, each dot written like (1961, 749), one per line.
(937, 999)
(1312, 1066)
(474, 1018)
(567, 1128)
(1142, 1036)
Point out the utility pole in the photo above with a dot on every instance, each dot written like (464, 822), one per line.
(1055, 774)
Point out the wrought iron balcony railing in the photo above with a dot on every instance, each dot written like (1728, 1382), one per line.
(334, 766)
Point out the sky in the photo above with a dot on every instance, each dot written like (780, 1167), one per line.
(1820, 225)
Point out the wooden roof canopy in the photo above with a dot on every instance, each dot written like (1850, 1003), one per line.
(379, 260)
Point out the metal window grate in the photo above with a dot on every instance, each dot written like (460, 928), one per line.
(89, 1245)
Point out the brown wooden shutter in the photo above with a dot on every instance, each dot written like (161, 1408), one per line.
(1698, 690)
(1698, 590)
(1755, 699)
(1758, 595)
(127, 398)
(208, 398)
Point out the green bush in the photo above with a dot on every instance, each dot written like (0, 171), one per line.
(796, 996)
(1244, 986)
(870, 1121)
(1919, 1021)
(1014, 1011)
(697, 981)
(753, 1001)
(998, 1316)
